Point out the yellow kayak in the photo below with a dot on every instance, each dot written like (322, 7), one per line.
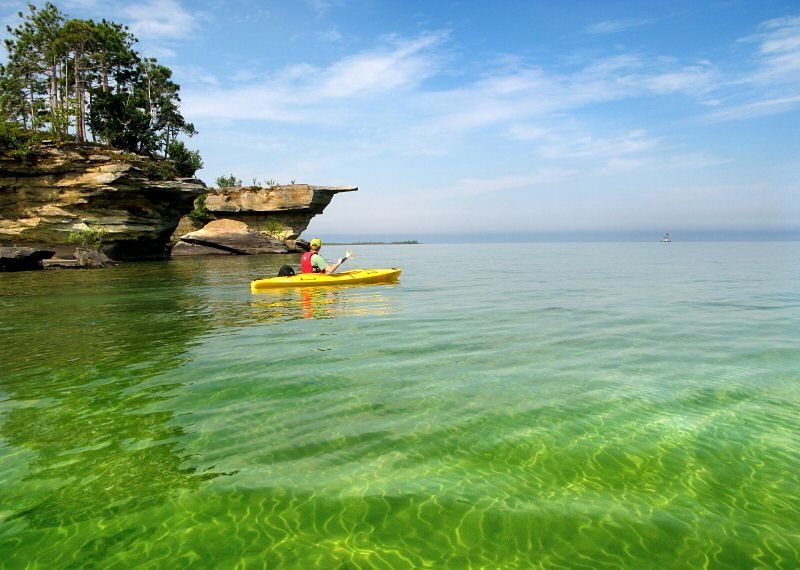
(353, 277)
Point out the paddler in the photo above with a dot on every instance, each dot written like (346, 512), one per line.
(312, 262)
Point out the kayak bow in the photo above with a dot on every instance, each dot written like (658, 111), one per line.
(353, 277)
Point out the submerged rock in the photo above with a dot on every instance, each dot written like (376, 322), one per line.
(23, 258)
(83, 258)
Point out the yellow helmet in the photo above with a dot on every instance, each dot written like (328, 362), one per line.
(316, 243)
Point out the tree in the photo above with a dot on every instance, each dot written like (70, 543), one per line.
(30, 79)
(163, 104)
(187, 162)
(78, 39)
(64, 73)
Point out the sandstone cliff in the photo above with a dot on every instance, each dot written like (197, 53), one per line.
(291, 205)
(58, 190)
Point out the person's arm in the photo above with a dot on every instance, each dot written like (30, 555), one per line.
(326, 267)
(334, 266)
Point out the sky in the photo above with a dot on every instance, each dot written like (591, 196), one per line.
(495, 117)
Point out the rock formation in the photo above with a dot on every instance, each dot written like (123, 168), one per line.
(291, 205)
(227, 237)
(59, 190)
(62, 189)
(22, 258)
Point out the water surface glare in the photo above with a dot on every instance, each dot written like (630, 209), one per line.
(610, 405)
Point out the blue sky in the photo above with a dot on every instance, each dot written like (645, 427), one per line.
(468, 116)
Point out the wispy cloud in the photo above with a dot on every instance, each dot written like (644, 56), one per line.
(771, 87)
(330, 36)
(160, 19)
(607, 27)
(382, 92)
(518, 95)
(695, 79)
(760, 108)
(587, 146)
(306, 93)
(474, 186)
(406, 63)
(779, 50)
(322, 7)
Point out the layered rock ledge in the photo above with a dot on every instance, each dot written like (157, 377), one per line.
(291, 205)
(61, 189)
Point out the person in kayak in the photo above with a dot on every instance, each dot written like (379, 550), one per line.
(312, 262)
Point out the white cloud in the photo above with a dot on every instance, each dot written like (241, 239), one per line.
(618, 165)
(405, 64)
(576, 145)
(322, 7)
(332, 35)
(778, 51)
(760, 108)
(376, 97)
(524, 132)
(304, 93)
(616, 26)
(772, 86)
(693, 79)
(474, 186)
(160, 19)
(525, 94)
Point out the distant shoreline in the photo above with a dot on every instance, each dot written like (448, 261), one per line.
(677, 235)
(403, 242)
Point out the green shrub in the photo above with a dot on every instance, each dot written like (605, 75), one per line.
(228, 181)
(158, 169)
(274, 229)
(187, 162)
(18, 141)
(90, 237)
(200, 216)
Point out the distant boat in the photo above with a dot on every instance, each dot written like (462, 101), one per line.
(666, 238)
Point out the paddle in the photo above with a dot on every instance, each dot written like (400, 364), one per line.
(347, 256)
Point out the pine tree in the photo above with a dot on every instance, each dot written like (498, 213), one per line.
(64, 73)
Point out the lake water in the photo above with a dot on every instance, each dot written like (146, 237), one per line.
(610, 405)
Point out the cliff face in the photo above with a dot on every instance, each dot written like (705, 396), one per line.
(58, 190)
(291, 205)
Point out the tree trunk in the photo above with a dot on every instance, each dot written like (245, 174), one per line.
(31, 102)
(65, 98)
(77, 105)
(53, 96)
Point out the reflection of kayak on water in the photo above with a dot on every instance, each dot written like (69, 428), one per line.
(354, 277)
(282, 303)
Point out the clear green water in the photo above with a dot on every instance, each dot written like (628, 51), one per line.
(605, 406)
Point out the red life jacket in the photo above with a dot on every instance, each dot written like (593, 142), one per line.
(305, 263)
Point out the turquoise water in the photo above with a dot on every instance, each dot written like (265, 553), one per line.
(631, 405)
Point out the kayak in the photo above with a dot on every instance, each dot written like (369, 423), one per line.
(353, 277)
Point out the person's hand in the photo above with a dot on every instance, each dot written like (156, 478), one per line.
(342, 260)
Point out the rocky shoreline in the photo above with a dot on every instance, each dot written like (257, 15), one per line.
(56, 192)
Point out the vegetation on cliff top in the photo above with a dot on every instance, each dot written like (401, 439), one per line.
(70, 79)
